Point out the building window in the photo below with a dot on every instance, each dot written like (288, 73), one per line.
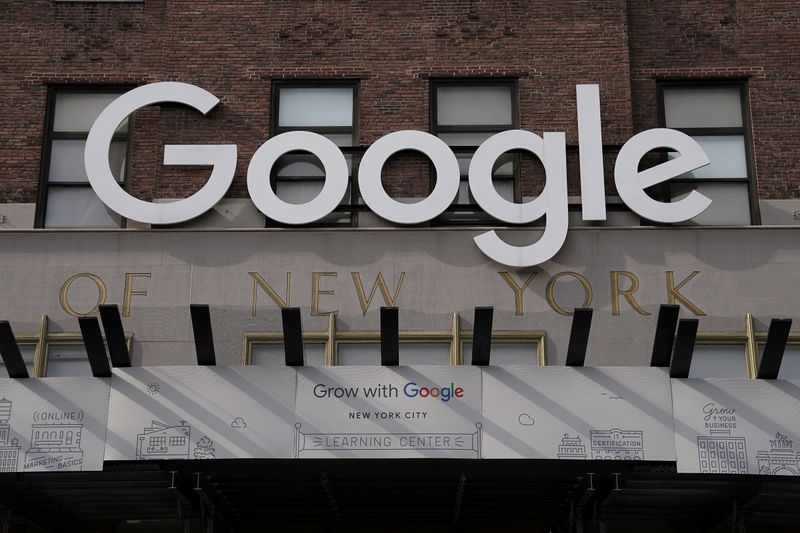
(66, 200)
(463, 115)
(790, 363)
(715, 115)
(720, 355)
(348, 348)
(65, 355)
(329, 108)
(412, 352)
(270, 353)
(158, 441)
(177, 441)
(67, 360)
(515, 349)
(718, 361)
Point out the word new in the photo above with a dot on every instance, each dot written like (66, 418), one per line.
(550, 149)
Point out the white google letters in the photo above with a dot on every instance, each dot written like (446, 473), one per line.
(221, 156)
(328, 198)
(551, 150)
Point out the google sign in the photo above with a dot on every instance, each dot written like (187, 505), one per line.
(550, 149)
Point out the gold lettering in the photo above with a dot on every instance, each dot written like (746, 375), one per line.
(365, 301)
(509, 279)
(673, 294)
(550, 290)
(259, 281)
(627, 293)
(126, 298)
(315, 292)
(63, 295)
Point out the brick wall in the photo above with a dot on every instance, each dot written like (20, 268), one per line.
(235, 49)
(704, 39)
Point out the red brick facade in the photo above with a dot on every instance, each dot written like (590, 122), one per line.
(236, 49)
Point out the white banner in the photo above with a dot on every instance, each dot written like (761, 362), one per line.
(420, 411)
(52, 424)
(737, 426)
(195, 412)
(621, 413)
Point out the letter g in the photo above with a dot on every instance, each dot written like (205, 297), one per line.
(221, 156)
(552, 202)
(410, 389)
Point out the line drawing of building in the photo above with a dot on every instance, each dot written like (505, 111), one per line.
(617, 444)
(9, 449)
(719, 453)
(571, 447)
(162, 441)
(781, 459)
(55, 447)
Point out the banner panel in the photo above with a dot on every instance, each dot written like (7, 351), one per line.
(52, 424)
(737, 426)
(185, 412)
(418, 411)
(621, 413)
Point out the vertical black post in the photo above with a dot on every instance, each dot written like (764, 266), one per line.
(115, 336)
(390, 336)
(203, 335)
(665, 335)
(95, 347)
(684, 348)
(482, 336)
(777, 337)
(579, 336)
(9, 350)
(292, 336)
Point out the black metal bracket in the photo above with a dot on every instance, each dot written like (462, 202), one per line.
(292, 336)
(681, 360)
(482, 336)
(115, 336)
(390, 336)
(203, 335)
(665, 335)
(777, 337)
(579, 336)
(95, 347)
(9, 350)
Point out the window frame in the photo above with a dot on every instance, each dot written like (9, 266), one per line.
(71, 339)
(321, 83)
(454, 337)
(435, 129)
(745, 130)
(536, 338)
(252, 338)
(41, 341)
(49, 136)
(727, 338)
